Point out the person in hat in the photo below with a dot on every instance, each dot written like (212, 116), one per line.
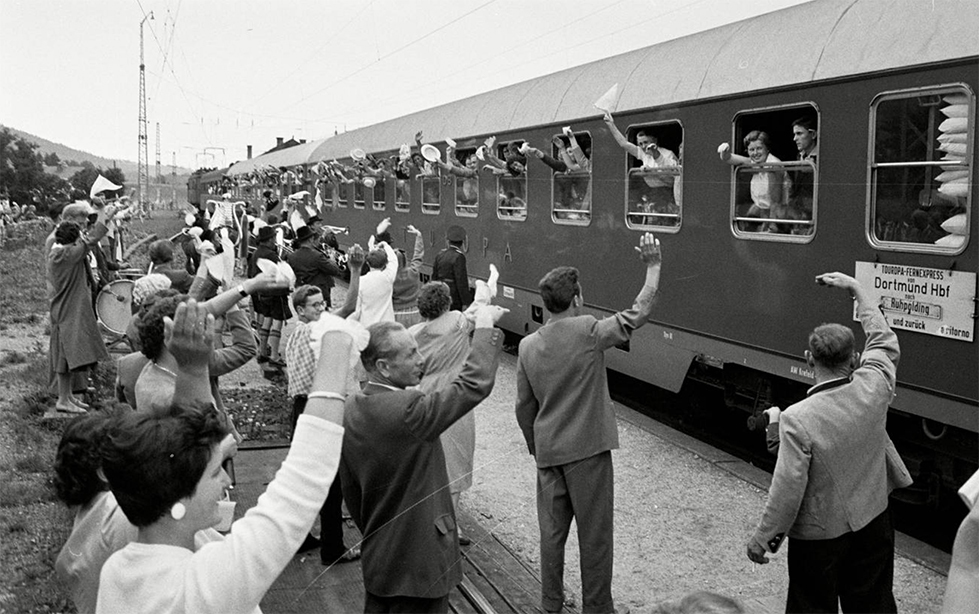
(161, 261)
(450, 267)
(79, 212)
(311, 265)
(271, 308)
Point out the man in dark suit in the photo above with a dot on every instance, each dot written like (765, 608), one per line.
(450, 267)
(567, 418)
(835, 470)
(393, 467)
(311, 265)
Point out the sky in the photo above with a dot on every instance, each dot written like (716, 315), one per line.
(223, 74)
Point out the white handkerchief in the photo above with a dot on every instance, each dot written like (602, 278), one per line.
(282, 270)
(329, 322)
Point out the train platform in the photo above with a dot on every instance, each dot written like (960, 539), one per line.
(683, 514)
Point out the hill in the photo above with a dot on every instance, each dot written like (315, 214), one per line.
(65, 153)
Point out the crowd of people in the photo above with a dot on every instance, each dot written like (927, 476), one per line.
(383, 389)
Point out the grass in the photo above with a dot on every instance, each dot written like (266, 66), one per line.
(33, 524)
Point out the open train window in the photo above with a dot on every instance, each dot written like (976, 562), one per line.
(402, 195)
(511, 181)
(379, 197)
(654, 182)
(570, 159)
(431, 195)
(466, 189)
(774, 176)
(344, 193)
(359, 198)
(920, 169)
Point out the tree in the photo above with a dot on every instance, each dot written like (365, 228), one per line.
(52, 159)
(22, 175)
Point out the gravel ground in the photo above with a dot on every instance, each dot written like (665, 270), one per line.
(681, 522)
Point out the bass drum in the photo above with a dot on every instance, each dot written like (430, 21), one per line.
(113, 307)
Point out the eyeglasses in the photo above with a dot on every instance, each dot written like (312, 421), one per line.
(316, 304)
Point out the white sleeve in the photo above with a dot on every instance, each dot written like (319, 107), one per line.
(234, 574)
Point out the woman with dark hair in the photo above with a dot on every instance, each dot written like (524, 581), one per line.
(443, 340)
(164, 468)
(100, 528)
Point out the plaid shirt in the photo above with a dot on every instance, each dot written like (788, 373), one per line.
(300, 361)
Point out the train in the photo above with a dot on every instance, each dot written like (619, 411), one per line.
(888, 91)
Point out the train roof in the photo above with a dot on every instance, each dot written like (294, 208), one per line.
(290, 156)
(214, 175)
(820, 40)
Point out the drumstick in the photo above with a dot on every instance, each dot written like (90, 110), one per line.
(119, 297)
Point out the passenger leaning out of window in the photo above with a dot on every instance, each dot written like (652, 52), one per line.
(769, 189)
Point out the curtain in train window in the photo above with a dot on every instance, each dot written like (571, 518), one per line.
(920, 171)
(654, 186)
(570, 161)
(466, 189)
(402, 195)
(379, 198)
(344, 193)
(328, 193)
(774, 158)
(431, 194)
(359, 198)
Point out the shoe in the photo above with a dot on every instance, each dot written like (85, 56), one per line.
(278, 364)
(310, 543)
(76, 401)
(349, 556)
(70, 408)
(464, 540)
(261, 359)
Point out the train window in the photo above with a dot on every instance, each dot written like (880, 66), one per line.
(379, 197)
(920, 169)
(570, 160)
(358, 190)
(431, 195)
(402, 195)
(774, 183)
(511, 181)
(343, 193)
(466, 188)
(654, 182)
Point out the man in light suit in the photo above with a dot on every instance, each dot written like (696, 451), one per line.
(566, 415)
(834, 471)
(393, 466)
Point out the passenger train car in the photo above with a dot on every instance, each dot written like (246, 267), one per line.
(888, 88)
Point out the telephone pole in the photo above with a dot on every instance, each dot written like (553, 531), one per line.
(143, 186)
(159, 177)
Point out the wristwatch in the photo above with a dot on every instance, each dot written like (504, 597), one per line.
(242, 291)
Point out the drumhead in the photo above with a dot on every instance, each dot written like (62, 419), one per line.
(113, 307)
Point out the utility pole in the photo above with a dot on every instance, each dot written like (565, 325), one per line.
(159, 177)
(143, 187)
(173, 182)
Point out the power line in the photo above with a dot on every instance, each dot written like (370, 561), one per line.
(387, 55)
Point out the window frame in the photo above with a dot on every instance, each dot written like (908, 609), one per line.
(402, 206)
(631, 129)
(873, 165)
(381, 205)
(344, 194)
(591, 202)
(428, 208)
(358, 186)
(787, 166)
